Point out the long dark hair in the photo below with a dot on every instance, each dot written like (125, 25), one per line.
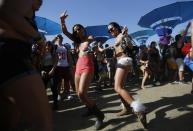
(77, 40)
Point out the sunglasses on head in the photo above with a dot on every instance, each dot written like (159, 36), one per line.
(111, 29)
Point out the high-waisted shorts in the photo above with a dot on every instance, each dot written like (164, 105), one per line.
(84, 65)
(15, 57)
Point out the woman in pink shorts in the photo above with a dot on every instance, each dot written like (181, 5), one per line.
(84, 67)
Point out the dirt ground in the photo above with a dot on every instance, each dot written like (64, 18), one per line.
(170, 108)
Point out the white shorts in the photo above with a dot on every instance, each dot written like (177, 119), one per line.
(124, 61)
(180, 64)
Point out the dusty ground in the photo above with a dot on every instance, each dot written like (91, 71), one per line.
(170, 108)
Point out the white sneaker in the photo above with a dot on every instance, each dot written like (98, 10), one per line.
(59, 97)
(175, 82)
(70, 97)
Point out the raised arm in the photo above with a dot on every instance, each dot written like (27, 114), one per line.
(185, 32)
(120, 37)
(63, 16)
(125, 31)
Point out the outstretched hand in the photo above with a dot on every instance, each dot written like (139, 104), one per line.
(186, 30)
(63, 16)
(125, 30)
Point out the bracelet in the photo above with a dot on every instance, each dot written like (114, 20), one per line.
(62, 23)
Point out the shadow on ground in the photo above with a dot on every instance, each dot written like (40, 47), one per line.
(69, 116)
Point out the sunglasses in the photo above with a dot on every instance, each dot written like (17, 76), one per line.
(111, 30)
(77, 29)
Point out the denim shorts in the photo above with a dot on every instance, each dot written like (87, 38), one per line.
(124, 61)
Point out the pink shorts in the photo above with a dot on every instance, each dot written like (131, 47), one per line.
(84, 64)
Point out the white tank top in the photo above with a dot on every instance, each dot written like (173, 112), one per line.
(61, 51)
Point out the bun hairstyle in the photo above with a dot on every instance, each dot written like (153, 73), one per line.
(116, 25)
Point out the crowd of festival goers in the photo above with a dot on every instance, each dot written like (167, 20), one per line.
(155, 64)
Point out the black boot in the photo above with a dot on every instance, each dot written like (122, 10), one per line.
(88, 112)
(55, 106)
(99, 117)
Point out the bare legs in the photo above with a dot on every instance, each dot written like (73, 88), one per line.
(138, 108)
(120, 76)
(181, 75)
(146, 75)
(82, 83)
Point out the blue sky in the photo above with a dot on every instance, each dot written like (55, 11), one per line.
(100, 12)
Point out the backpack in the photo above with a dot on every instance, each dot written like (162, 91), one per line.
(186, 48)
